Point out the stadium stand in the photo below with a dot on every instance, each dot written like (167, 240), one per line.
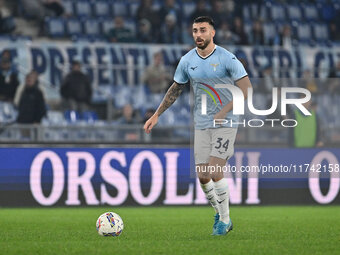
(306, 16)
(55, 27)
(312, 23)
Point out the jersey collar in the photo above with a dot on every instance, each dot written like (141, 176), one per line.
(207, 55)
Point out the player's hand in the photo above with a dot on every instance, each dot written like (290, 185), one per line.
(219, 116)
(320, 144)
(150, 123)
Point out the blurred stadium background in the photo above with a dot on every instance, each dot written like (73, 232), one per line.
(123, 55)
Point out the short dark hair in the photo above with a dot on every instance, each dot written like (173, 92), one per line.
(75, 63)
(205, 19)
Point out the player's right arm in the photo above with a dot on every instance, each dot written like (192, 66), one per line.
(170, 97)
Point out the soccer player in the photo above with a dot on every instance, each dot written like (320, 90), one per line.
(206, 66)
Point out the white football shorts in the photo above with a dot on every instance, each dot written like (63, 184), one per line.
(216, 142)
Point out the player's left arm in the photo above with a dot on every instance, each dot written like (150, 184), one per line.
(243, 83)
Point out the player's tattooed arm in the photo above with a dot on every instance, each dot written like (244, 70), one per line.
(170, 97)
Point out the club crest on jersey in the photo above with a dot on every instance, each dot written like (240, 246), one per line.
(214, 65)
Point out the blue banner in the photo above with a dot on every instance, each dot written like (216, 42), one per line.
(144, 176)
(121, 64)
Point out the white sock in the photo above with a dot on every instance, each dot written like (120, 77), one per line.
(222, 192)
(210, 194)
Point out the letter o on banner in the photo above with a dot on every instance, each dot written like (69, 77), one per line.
(156, 177)
(313, 181)
(58, 178)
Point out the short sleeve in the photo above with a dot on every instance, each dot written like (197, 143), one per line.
(181, 75)
(236, 69)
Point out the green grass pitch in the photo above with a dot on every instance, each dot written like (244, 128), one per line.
(172, 230)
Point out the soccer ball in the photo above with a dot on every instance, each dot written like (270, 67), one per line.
(109, 224)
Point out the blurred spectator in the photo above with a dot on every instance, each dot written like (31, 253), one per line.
(218, 13)
(31, 105)
(201, 10)
(170, 7)
(170, 32)
(238, 30)
(257, 35)
(8, 77)
(309, 81)
(56, 6)
(7, 24)
(145, 11)
(156, 76)
(334, 31)
(35, 9)
(129, 116)
(238, 8)
(276, 115)
(328, 12)
(229, 6)
(334, 79)
(6, 54)
(224, 35)
(307, 133)
(120, 33)
(267, 81)
(76, 89)
(187, 35)
(244, 62)
(285, 38)
(33, 76)
(144, 33)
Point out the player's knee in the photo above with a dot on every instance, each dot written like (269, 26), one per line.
(204, 177)
(204, 180)
(216, 178)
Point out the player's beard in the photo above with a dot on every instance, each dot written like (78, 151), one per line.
(205, 44)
